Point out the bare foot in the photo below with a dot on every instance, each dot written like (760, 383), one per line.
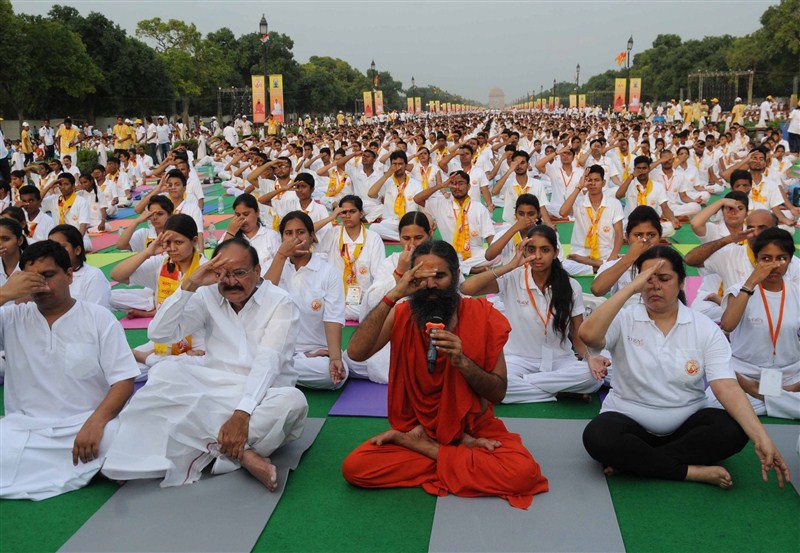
(716, 476)
(261, 468)
(141, 356)
(610, 471)
(391, 436)
(485, 443)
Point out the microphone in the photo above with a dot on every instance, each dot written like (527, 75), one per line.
(435, 322)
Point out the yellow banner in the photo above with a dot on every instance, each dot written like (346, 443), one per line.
(550, 102)
(276, 97)
(417, 105)
(581, 101)
(538, 103)
(368, 103)
(573, 101)
(259, 99)
(619, 95)
(636, 95)
(557, 101)
(438, 106)
(410, 102)
(378, 102)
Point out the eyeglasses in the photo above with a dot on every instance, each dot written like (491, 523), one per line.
(237, 274)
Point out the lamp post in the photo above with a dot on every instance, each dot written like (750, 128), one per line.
(413, 84)
(374, 75)
(577, 78)
(628, 57)
(263, 28)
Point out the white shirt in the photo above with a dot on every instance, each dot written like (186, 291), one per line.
(611, 214)
(40, 227)
(230, 135)
(258, 341)
(561, 183)
(48, 135)
(142, 237)
(190, 208)
(513, 190)
(390, 191)
(152, 135)
(794, 121)
(369, 260)
(657, 379)
(527, 336)
(733, 265)
(162, 134)
(445, 210)
(90, 285)
(63, 372)
(654, 199)
(266, 242)
(318, 293)
(76, 215)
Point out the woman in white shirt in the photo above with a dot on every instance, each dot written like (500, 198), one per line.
(247, 224)
(98, 208)
(655, 422)
(12, 243)
(316, 289)
(88, 283)
(545, 308)
(762, 315)
(173, 184)
(161, 267)
(355, 252)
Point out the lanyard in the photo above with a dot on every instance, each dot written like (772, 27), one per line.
(545, 322)
(774, 332)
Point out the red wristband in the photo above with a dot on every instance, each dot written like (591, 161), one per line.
(387, 301)
(398, 273)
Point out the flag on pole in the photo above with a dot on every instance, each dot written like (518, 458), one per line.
(264, 38)
(620, 59)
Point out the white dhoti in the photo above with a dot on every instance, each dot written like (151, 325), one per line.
(680, 209)
(36, 456)
(376, 368)
(132, 298)
(527, 383)
(387, 229)
(314, 372)
(170, 428)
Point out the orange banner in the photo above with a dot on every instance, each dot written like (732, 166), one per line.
(636, 95)
(551, 102)
(378, 102)
(538, 103)
(276, 97)
(619, 94)
(417, 105)
(368, 103)
(259, 99)
(410, 102)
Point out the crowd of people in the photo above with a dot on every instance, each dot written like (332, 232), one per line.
(469, 313)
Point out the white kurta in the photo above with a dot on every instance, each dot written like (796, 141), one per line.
(55, 379)
(170, 427)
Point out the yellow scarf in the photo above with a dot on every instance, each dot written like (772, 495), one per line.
(168, 282)
(461, 237)
(519, 190)
(641, 194)
(335, 184)
(424, 175)
(593, 235)
(400, 200)
(751, 256)
(756, 191)
(625, 162)
(349, 274)
(64, 206)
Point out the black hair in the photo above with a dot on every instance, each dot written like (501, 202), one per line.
(45, 248)
(417, 218)
(561, 299)
(641, 159)
(643, 214)
(672, 256)
(178, 175)
(300, 216)
(182, 224)
(521, 153)
(463, 174)
(69, 176)
(75, 239)
(307, 178)
(598, 169)
(741, 174)
(16, 229)
(777, 236)
(352, 199)
(398, 154)
(531, 200)
(16, 213)
(222, 246)
(441, 249)
(165, 203)
(249, 201)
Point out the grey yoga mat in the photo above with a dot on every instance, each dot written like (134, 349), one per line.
(219, 513)
(578, 493)
(785, 437)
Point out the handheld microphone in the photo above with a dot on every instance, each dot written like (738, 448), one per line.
(435, 322)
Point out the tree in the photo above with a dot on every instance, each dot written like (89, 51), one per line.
(193, 63)
(43, 57)
(136, 79)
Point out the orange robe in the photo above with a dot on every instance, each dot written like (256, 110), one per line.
(445, 405)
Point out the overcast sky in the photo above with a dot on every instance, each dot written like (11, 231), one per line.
(466, 47)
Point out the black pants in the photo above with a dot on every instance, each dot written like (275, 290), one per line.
(794, 143)
(28, 159)
(151, 151)
(5, 170)
(705, 438)
(50, 152)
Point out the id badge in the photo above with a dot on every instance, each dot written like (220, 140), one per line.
(770, 383)
(353, 295)
(547, 360)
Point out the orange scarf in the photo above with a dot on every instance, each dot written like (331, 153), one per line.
(64, 206)
(400, 200)
(461, 237)
(349, 277)
(642, 193)
(593, 235)
(335, 183)
(169, 280)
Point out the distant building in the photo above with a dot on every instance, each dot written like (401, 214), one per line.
(497, 98)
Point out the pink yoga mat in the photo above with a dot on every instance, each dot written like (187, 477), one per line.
(690, 288)
(117, 224)
(103, 241)
(216, 218)
(135, 324)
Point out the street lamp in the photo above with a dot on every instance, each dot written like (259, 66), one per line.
(263, 28)
(413, 84)
(554, 87)
(577, 77)
(374, 76)
(628, 58)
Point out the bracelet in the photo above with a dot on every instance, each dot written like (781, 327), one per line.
(746, 290)
(495, 274)
(231, 234)
(398, 273)
(387, 301)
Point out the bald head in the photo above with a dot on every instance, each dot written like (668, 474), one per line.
(760, 220)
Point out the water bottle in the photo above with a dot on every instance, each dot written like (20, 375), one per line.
(220, 206)
(211, 241)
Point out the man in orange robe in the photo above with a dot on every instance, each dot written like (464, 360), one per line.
(444, 435)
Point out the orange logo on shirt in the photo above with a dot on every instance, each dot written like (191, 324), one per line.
(692, 367)
(606, 229)
(316, 305)
(363, 270)
(474, 233)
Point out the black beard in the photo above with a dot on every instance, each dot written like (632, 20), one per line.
(430, 302)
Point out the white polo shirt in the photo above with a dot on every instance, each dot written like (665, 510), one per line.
(733, 265)
(318, 293)
(657, 379)
(390, 190)
(655, 198)
(513, 190)
(561, 183)
(77, 215)
(444, 211)
(527, 336)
